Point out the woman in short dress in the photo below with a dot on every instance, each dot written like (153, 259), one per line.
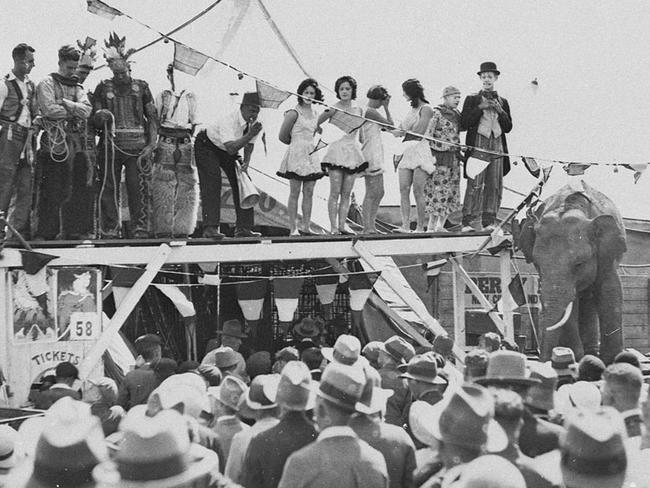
(343, 160)
(300, 164)
(442, 188)
(373, 152)
(417, 162)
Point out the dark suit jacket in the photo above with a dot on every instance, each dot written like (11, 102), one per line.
(633, 425)
(268, 451)
(45, 399)
(537, 435)
(341, 461)
(394, 443)
(471, 116)
(136, 387)
(397, 402)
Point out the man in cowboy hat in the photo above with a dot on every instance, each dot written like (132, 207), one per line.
(258, 404)
(217, 148)
(394, 352)
(306, 334)
(346, 350)
(231, 335)
(226, 403)
(392, 441)
(269, 450)
(508, 369)
(622, 390)
(228, 361)
(338, 457)
(139, 383)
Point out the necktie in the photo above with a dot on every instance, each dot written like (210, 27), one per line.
(246, 129)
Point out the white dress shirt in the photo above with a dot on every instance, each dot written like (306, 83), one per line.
(227, 129)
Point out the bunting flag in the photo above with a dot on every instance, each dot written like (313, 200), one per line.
(326, 285)
(505, 243)
(515, 299)
(210, 279)
(123, 280)
(319, 145)
(360, 286)
(33, 262)
(188, 60)
(348, 123)
(575, 169)
(532, 166)
(638, 170)
(475, 166)
(98, 7)
(250, 296)
(270, 97)
(208, 267)
(34, 266)
(546, 173)
(182, 303)
(286, 293)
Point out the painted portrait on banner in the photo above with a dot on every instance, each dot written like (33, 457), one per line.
(78, 303)
(34, 309)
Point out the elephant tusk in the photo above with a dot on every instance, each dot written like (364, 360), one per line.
(563, 320)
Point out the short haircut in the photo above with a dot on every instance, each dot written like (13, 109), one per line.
(346, 79)
(69, 53)
(312, 357)
(304, 84)
(627, 357)
(626, 376)
(148, 346)
(20, 51)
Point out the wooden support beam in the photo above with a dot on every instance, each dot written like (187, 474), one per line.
(124, 309)
(391, 277)
(458, 286)
(504, 265)
(403, 324)
(6, 315)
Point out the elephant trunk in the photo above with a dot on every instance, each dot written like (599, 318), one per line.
(557, 308)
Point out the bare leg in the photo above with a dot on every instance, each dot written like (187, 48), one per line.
(307, 199)
(292, 205)
(405, 182)
(336, 182)
(419, 180)
(344, 205)
(374, 194)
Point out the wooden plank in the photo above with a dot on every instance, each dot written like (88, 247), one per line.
(458, 290)
(403, 324)
(635, 318)
(506, 277)
(265, 250)
(6, 315)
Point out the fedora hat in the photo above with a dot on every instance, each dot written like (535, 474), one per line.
(542, 395)
(229, 392)
(465, 418)
(507, 368)
(288, 353)
(185, 392)
(346, 350)
(371, 352)
(307, 327)
(342, 385)
(424, 368)
(8, 440)
(156, 452)
(261, 395)
(225, 357)
(563, 360)
(397, 347)
(582, 395)
(232, 328)
(251, 98)
(593, 449)
(70, 444)
(374, 397)
(488, 66)
(296, 390)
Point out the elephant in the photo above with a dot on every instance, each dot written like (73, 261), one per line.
(576, 240)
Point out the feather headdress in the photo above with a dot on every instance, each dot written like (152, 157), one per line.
(116, 48)
(88, 52)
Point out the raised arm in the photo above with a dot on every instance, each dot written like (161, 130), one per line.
(324, 117)
(290, 117)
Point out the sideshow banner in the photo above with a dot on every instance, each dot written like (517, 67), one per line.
(490, 286)
(78, 303)
(33, 306)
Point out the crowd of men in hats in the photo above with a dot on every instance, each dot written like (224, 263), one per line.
(316, 414)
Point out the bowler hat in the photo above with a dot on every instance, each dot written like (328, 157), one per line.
(488, 66)
(593, 450)
(564, 361)
(232, 328)
(466, 418)
(507, 368)
(424, 368)
(307, 327)
(397, 347)
(224, 357)
(156, 451)
(295, 387)
(261, 395)
(342, 385)
(70, 445)
(590, 368)
(251, 98)
(346, 350)
(229, 392)
(542, 395)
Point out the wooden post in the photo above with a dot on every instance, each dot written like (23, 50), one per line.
(504, 263)
(6, 312)
(124, 310)
(459, 303)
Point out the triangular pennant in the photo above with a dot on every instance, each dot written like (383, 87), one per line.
(270, 97)
(516, 289)
(575, 169)
(326, 275)
(98, 7)
(179, 299)
(348, 123)
(188, 60)
(125, 277)
(363, 281)
(210, 279)
(319, 145)
(546, 173)
(475, 166)
(504, 244)
(250, 296)
(638, 170)
(33, 261)
(287, 286)
(532, 166)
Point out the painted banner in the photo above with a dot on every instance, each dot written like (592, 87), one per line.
(490, 286)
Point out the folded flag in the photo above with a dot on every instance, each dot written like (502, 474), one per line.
(575, 169)
(98, 7)
(532, 166)
(638, 169)
(475, 166)
(188, 60)
(270, 97)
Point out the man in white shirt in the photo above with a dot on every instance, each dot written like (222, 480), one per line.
(17, 110)
(216, 148)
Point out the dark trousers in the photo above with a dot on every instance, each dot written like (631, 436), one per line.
(15, 179)
(138, 176)
(210, 160)
(55, 187)
(79, 211)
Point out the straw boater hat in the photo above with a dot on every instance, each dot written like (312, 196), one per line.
(507, 368)
(70, 445)
(465, 418)
(261, 395)
(424, 368)
(232, 328)
(343, 386)
(296, 390)
(156, 452)
(346, 350)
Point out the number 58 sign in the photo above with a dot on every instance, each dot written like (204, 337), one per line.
(84, 326)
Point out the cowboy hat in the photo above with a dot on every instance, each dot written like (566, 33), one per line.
(229, 392)
(424, 368)
(296, 389)
(346, 350)
(506, 367)
(343, 385)
(261, 395)
(307, 327)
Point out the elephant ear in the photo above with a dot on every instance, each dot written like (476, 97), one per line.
(609, 238)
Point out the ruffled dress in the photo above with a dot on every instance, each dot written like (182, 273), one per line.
(300, 162)
(416, 154)
(372, 148)
(345, 153)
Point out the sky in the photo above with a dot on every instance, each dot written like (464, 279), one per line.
(590, 60)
